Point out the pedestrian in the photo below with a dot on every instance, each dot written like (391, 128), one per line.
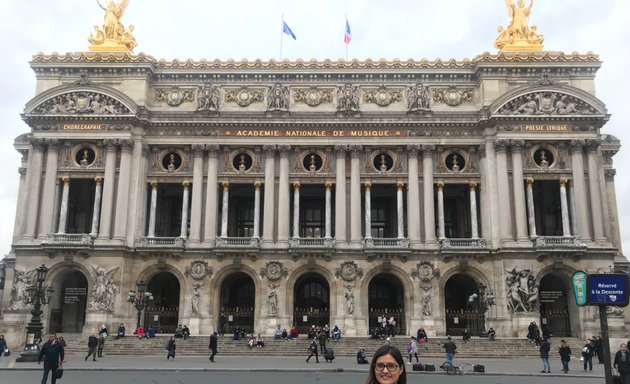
(323, 337)
(388, 367)
(565, 355)
(103, 332)
(62, 341)
(412, 349)
(587, 355)
(391, 325)
(492, 334)
(544, 355)
(101, 345)
(3, 346)
(312, 349)
(362, 357)
(92, 345)
(422, 338)
(622, 363)
(213, 346)
(53, 354)
(450, 349)
(599, 349)
(186, 332)
(170, 347)
(466, 336)
(222, 321)
(121, 331)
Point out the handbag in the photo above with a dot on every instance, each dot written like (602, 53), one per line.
(59, 372)
(7, 352)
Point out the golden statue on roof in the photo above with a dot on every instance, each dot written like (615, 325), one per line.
(112, 36)
(519, 36)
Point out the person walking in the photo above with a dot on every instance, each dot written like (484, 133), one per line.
(3, 346)
(213, 346)
(587, 354)
(92, 345)
(101, 345)
(565, 355)
(622, 363)
(323, 336)
(544, 355)
(171, 347)
(412, 349)
(53, 354)
(312, 349)
(450, 349)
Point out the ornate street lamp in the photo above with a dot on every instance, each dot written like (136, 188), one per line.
(140, 299)
(485, 302)
(38, 295)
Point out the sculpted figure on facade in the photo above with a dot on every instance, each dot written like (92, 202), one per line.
(196, 300)
(113, 33)
(348, 99)
(102, 296)
(22, 279)
(549, 103)
(522, 290)
(426, 303)
(349, 300)
(208, 98)
(418, 99)
(272, 299)
(519, 36)
(82, 103)
(278, 98)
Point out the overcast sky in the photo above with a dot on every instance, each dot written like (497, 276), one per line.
(210, 29)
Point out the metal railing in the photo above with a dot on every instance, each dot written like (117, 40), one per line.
(463, 243)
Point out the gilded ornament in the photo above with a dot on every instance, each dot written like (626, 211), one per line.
(244, 96)
(382, 97)
(112, 36)
(312, 96)
(452, 96)
(519, 36)
(174, 96)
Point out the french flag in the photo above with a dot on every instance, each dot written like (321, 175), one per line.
(347, 38)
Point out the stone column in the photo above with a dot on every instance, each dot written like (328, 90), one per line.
(197, 190)
(296, 210)
(122, 199)
(504, 191)
(184, 227)
(34, 176)
(256, 234)
(368, 211)
(18, 224)
(97, 207)
(340, 195)
(224, 209)
(577, 163)
(427, 186)
(63, 215)
(413, 196)
(48, 193)
(355, 196)
(566, 230)
(531, 215)
(210, 222)
(595, 193)
(284, 212)
(519, 192)
(572, 209)
(109, 181)
(328, 217)
(269, 203)
(153, 209)
(440, 201)
(400, 210)
(609, 177)
(473, 211)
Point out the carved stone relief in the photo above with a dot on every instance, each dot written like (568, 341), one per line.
(208, 98)
(312, 96)
(452, 96)
(244, 96)
(522, 290)
(104, 289)
(278, 98)
(82, 103)
(348, 99)
(381, 96)
(549, 103)
(198, 270)
(418, 99)
(174, 96)
(22, 279)
(274, 270)
(349, 271)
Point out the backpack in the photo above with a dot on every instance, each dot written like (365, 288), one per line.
(409, 347)
(586, 349)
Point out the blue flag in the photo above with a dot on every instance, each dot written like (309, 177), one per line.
(287, 30)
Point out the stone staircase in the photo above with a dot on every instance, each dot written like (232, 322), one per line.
(347, 346)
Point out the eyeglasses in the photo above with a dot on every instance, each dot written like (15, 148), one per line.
(390, 367)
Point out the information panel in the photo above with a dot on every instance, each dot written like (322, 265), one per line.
(608, 289)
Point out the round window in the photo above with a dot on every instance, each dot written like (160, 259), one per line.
(172, 161)
(85, 156)
(543, 158)
(242, 162)
(455, 162)
(312, 162)
(383, 162)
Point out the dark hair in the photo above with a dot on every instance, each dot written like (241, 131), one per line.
(395, 353)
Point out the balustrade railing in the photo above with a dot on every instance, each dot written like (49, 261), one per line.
(381, 242)
(83, 239)
(311, 242)
(558, 241)
(162, 242)
(463, 243)
(237, 242)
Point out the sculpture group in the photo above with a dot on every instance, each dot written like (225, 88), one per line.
(113, 33)
(518, 35)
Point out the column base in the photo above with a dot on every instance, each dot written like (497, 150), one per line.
(356, 244)
(524, 243)
(208, 243)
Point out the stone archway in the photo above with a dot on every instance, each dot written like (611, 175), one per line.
(461, 313)
(311, 302)
(238, 301)
(555, 311)
(69, 302)
(163, 312)
(386, 297)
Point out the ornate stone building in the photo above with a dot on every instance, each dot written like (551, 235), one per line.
(447, 194)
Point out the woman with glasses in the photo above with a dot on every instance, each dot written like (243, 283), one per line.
(388, 367)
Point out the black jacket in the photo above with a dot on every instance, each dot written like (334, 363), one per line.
(213, 342)
(449, 347)
(565, 353)
(92, 342)
(52, 353)
(544, 349)
(622, 365)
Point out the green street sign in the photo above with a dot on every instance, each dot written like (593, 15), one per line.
(579, 287)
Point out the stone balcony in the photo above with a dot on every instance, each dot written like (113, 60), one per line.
(162, 242)
(558, 242)
(238, 242)
(73, 240)
(311, 242)
(454, 243)
(380, 242)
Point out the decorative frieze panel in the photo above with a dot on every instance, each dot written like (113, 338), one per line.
(522, 290)
(278, 98)
(198, 270)
(547, 103)
(208, 98)
(174, 96)
(22, 280)
(82, 103)
(244, 96)
(349, 271)
(452, 96)
(312, 96)
(381, 96)
(418, 99)
(274, 270)
(348, 99)
(103, 290)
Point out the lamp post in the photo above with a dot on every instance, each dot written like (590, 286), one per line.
(485, 302)
(38, 295)
(140, 299)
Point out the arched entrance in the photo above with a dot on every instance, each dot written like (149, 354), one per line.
(554, 305)
(386, 297)
(311, 302)
(462, 310)
(68, 304)
(238, 299)
(163, 312)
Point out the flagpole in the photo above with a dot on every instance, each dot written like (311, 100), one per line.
(281, 35)
(344, 33)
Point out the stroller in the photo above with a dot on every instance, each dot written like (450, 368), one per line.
(329, 355)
